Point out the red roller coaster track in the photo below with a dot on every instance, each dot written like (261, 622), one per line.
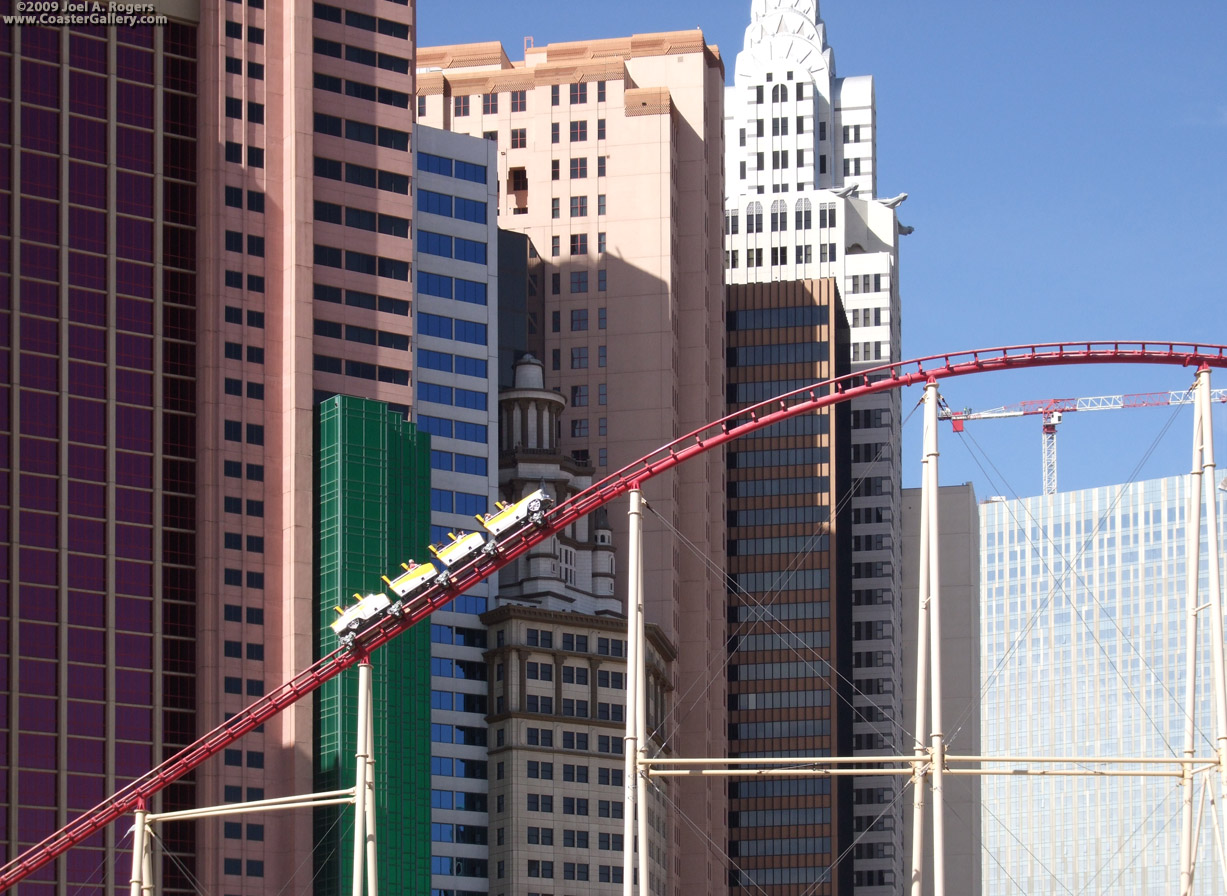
(719, 432)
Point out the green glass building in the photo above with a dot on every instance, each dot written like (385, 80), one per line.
(373, 514)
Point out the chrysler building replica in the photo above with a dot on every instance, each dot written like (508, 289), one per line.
(801, 203)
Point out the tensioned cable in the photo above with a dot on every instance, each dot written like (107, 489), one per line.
(1082, 583)
(978, 840)
(715, 847)
(773, 595)
(192, 880)
(102, 862)
(311, 855)
(1027, 849)
(1125, 841)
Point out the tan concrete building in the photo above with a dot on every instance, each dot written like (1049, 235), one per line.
(610, 160)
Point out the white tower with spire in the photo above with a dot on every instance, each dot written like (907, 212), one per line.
(801, 203)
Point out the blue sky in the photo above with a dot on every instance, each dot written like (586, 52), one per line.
(1066, 165)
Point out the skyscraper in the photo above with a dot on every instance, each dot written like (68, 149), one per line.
(208, 223)
(790, 633)
(800, 188)
(99, 600)
(1083, 634)
(609, 161)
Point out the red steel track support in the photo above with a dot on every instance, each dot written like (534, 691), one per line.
(718, 432)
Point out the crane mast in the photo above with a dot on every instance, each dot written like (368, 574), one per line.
(1051, 411)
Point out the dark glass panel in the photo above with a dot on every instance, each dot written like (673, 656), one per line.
(180, 74)
(87, 343)
(134, 723)
(179, 475)
(132, 578)
(132, 350)
(38, 567)
(133, 469)
(39, 335)
(178, 547)
(134, 104)
(133, 280)
(134, 430)
(178, 287)
(39, 603)
(40, 530)
(88, 137)
(179, 158)
(86, 536)
(179, 247)
(40, 493)
(84, 791)
(87, 420)
(37, 676)
(40, 175)
(87, 230)
(137, 37)
(41, 43)
(179, 202)
(38, 639)
(40, 129)
(87, 607)
(178, 511)
(134, 506)
(133, 149)
(88, 54)
(180, 114)
(40, 372)
(133, 64)
(87, 499)
(85, 462)
(40, 221)
(178, 323)
(134, 238)
(89, 271)
(134, 194)
(40, 413)
(87, 94)
(86, 380)
(134, 651)
(180, 359)
(87, 184)
(40, 298)
(40, 84)
(42, 262)
(180, 39)
(178, 394)
(134, 387)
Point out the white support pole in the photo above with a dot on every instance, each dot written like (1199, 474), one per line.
(139, 833)
(920, 747)
(634, 691)
(1192, 549)
(1210, 487)
(933, 571)
(372, 851)
(361, 753)
(147, 887)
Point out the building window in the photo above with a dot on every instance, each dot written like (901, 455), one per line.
(579, 281)
(579, 319)
(600, 129)
(579, 206)
(489, 103)
(579, 243)
(600, 166)
(554, 95)
(579, 131)
(600, 204)
(519, 100)
(555, 246)
(579, 169)
(555, 168)
(554, 132)
(519, 138)
(579, 429)
(461, 106)
(579, 397)
(579, 94)
(579, 358)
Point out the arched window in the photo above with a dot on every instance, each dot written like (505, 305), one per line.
(754, 218)
(779, 216)
(779, 93)
(805, 218)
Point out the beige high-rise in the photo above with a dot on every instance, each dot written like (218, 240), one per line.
(610, 160)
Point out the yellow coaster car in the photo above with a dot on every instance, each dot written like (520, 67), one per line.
(509, 516)
(458, 549)
(415, 577)
(363, 614)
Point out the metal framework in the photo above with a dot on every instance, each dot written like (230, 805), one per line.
(1052, 409)
(713, 435)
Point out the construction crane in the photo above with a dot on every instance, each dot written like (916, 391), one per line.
(1051, 411)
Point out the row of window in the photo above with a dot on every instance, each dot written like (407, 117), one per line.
(571, 740)
(362, 21)
(361, 370)
(571, 871)
(361, 132)
(579, 244)
(459, 364)
(472, 332)
(778, 700)
(362, 175)
(361, 262)
(362, 56)
(795, 728)
(360, 90)
(461, 290)
(457, 168)
(739, 460)
(452, 395)
(779, 516)
(780, 544)
(571, 839)
(535, 637)
(469, 464)
(358, 299)
(579, 206)
(778, 641)
(363, 335)
(449, 206)
(579, 394)
(453, 429)
(446, 246)
(360, 219)
(796, 580)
